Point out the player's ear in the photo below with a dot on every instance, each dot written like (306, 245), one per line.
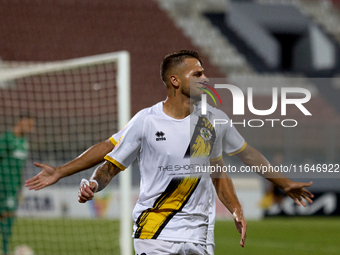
(174, 81)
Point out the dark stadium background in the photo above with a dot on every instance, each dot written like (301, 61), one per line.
(36, 30)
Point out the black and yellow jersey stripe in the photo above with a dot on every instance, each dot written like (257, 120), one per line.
(152, 221)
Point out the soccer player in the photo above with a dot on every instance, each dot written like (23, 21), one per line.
(13, 154)
(159, 213)
(172, 212)
(50, 175)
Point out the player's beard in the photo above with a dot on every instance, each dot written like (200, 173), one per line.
(186, 92)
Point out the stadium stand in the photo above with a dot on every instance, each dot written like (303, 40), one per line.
(64, 29)
(206, 36)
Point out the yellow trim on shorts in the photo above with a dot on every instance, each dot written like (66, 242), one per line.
(216, 159)
(113, 141)
(238, 151)
(113, 161)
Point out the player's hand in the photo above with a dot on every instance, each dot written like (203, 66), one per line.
(46, 177)
(86, 191)
(241, 226)
(297, 191)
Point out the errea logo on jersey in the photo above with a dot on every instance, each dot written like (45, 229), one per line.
(160, 136)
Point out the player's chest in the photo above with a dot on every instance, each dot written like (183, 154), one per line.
(168, 138)
(179, 138)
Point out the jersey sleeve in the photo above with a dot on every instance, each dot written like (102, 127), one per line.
(127, 142)
(233, 143)
(115, 137)
(216, 153)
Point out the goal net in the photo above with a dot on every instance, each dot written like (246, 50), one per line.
(76, 103)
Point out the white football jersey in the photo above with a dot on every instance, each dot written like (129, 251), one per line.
(173, 203)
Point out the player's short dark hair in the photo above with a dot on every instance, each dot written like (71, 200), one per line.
(176, 58)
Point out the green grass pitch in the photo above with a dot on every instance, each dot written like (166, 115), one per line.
(281, 236)
(67, 236)
(293, 236)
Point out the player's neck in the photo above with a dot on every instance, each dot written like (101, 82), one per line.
(178, 107)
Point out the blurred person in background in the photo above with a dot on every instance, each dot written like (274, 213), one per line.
(13, 155)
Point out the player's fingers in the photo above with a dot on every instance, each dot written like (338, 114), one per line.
(305, 184)
(82, 198)
(242, 243)
(35, 186)
(302, 202)
(296, 200)
(38, 164)
(307, 197)
(308, 193)
(89, 190)
(86, 193)
(296, 197)
(292, 196)
(243, 233)
(41, 186)
(309, 200)
(33, 178)
(30, 187)
(33, 183)
(38, 187)
(29, 181)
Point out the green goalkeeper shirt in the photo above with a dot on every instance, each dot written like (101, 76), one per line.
(13, 154)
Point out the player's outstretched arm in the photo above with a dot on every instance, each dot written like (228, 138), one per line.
(226, 193)
(296, 190)
(98, 181)
(50, 175)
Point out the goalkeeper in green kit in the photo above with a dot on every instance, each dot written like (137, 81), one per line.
(13, 154)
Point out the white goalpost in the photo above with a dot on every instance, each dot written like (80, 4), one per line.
(76, 103)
